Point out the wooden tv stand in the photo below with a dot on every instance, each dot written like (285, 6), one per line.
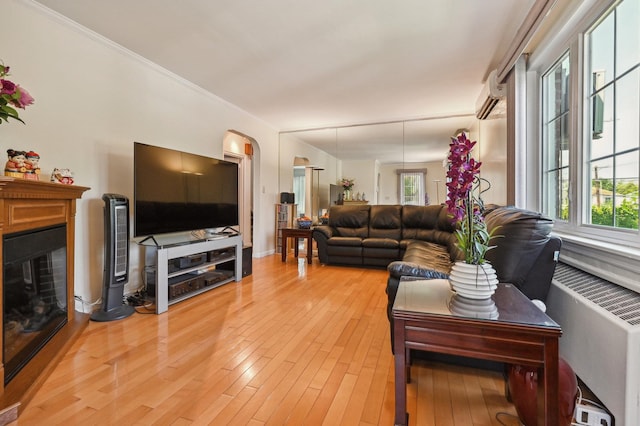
(159, 257)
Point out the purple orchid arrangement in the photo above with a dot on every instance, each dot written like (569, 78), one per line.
(464, 206)
(11, 96)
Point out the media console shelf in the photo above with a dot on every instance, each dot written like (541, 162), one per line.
(185, 281)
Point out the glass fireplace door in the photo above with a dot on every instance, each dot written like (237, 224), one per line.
(34, 293)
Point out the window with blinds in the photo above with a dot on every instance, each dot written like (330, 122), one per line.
(412, 187)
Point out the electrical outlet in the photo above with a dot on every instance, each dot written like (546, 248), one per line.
(592, 416)
(79, 305)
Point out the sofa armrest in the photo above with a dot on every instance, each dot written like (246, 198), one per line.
(401, 268)
(324, 231)
(538, 281)
(321, 235)
(524, 252)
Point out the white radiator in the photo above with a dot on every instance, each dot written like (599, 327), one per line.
(600, 337)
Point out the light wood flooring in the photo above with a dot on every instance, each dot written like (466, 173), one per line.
(290, 344)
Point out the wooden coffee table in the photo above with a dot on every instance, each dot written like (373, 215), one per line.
(509, 328)
(296, 233)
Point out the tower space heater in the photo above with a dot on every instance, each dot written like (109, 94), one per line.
(116, 259)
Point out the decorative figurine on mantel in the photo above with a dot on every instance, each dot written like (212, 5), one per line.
(16, 163)
(22, 164)
(32, 165)
(64, 176)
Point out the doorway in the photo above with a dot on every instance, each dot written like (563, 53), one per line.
(238, 148)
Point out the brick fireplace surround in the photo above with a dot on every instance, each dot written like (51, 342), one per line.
(26, 205)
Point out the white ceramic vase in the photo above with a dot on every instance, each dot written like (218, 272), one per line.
(473, 308)
(473, 281)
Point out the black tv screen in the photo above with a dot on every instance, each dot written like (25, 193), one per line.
(175, 191)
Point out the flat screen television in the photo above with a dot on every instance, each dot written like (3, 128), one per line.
(175, 191)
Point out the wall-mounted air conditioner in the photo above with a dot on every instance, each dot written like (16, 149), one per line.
(492, 93)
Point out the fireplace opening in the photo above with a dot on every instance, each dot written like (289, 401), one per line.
(34, 293)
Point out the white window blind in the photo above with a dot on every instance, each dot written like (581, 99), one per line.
(411, 184)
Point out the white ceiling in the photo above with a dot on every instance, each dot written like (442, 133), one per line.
(299, 64)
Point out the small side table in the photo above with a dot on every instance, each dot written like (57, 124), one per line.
(296, 233)
(520, 333)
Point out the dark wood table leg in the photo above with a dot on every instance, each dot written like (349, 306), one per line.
(283, 248)
(309, 250)
(400, 359)
(549, 385)
(297, 244)
(407, 362)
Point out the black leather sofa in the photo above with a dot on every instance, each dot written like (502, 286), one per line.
(378, 235)
(525, 253)
(419, 241)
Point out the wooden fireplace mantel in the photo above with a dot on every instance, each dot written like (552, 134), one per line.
(24, 205)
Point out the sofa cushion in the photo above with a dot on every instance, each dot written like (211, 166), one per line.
(350, 221)
(345, 254)
(345, 241)
(430, 223)
(385, 222)
(434, 256)
(400, 268)
(422, 259)
(380, 243)
(418, 217)
(445, 221)
(380, 248)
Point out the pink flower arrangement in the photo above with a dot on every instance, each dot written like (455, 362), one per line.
(347, 184)
(465, 208)
(11, 96)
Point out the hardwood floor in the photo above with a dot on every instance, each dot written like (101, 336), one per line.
(289, 344)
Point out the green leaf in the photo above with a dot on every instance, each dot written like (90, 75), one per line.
(6, 111)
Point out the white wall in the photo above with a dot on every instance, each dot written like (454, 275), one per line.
(234, 150)
(363, 172)
(93, 99)
(388, 184)
(492, 145)
(290, 148)
(436, 182)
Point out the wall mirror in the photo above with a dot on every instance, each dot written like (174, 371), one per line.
(373, 155)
